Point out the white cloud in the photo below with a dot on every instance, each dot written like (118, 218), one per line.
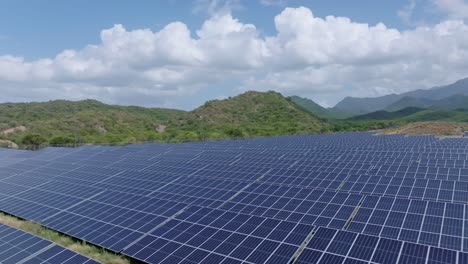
(216, 7)
(457, 9)
(324, 58)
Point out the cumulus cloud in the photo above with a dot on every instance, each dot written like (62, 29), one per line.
(323, 58)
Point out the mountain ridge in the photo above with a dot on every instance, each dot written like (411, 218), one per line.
(358, 106)
(317, 109)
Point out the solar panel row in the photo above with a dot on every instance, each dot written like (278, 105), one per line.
(252, 201)
(17, 246)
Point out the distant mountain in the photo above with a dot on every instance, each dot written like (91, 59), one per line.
(386, 115)
(318, 110)
(414, 114)
(453, 102)
(408, 101)
(359, 106)
(440, 92)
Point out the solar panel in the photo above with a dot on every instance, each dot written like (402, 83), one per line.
(17, 246)
(378, 198)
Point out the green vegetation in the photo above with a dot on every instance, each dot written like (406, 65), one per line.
(83, 248)
(251, 114)
(89, 121)
(247, 115)
(66, 123)
(33, 140)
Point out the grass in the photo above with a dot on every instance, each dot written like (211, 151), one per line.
(83, 248)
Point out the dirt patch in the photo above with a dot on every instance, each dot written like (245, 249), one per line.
(432, 128)
(13, 130)
(101, 129)
(161, 128)
(8, 143)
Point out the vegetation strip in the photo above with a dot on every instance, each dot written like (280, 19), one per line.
(303, 245)
(81, 247)
(353, 214)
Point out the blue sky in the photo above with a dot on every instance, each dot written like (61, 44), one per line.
(35, 29)
(45, 52)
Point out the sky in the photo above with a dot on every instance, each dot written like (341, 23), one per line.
(178, 53)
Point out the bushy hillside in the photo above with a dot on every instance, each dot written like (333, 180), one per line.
(63, 121)
(255, 113)
(89, 121)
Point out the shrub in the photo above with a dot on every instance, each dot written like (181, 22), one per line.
(33, 140)
(62, 140)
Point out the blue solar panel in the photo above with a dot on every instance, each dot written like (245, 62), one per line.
(367, 196)
(17, 246)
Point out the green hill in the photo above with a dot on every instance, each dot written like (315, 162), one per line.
(256, 113)
(85, 121)
(90, 121)
(318, 110)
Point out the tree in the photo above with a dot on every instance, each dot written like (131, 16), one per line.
(33, 140)
(61, 140)
(235, 132)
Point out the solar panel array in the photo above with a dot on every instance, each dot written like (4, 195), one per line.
(17, 246)
(343, 198)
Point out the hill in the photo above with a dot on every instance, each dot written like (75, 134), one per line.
(84, 121)
(90, 121)
(318, 110)
(256, 113)
(359, 106)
